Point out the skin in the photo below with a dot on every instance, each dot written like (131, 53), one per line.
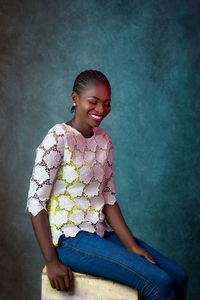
(86, 105)
(60, 275)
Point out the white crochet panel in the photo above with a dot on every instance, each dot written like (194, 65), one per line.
(72, 179)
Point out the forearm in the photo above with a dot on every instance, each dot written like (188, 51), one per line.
(115, 219)
(41, 228)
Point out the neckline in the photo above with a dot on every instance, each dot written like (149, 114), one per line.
(67, 125)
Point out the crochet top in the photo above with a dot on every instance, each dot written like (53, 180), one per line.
(72, 180)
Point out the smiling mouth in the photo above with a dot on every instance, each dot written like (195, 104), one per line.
(96, 118)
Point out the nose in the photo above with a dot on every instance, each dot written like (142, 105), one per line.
(100, 108)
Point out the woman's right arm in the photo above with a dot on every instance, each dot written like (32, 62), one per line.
(48, 158)
(60, 275)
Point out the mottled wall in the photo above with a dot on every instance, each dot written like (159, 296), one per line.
(149, 50)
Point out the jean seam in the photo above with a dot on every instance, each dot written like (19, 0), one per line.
(116, 262)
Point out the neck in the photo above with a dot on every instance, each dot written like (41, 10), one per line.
(86, 131)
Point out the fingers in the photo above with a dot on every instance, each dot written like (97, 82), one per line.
(56, 284)
(152, 261)
(62, 283)
(142, 252)
(70, 274)
(66, 282)
(150, 258)
(52, 283)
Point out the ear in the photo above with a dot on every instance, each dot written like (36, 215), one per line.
(74, 97)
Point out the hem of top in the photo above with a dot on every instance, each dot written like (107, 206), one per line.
(106, 229)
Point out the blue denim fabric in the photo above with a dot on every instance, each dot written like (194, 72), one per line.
(108, 258)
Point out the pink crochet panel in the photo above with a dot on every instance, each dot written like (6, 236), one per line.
(72, 179)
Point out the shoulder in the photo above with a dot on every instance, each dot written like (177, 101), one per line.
(54, 135)
(103, 132)
(58, 128)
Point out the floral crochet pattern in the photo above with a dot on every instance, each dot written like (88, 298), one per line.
(72, 179)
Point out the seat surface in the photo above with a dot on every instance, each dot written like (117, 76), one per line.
(88, 287)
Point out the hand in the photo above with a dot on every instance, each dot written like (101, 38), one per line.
(142, 252)
(60, 276)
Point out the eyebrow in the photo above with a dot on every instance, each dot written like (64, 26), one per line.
(98, 98)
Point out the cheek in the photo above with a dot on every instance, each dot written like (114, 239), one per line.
(108, 109)
(88, 108)
(85, 108)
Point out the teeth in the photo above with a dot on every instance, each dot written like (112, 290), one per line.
(96, 117)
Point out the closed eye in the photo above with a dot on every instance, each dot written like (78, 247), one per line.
(96, 103)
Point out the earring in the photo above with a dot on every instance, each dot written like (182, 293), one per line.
(74, 104)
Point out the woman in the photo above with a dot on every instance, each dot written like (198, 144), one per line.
(74, 210)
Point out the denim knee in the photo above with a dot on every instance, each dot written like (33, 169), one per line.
(166, 286)
(182, 277)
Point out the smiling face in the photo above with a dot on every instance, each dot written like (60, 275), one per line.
(93, 104)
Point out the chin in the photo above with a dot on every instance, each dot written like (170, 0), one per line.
(93, 126)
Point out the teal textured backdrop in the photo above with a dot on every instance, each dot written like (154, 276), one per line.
(150, 52)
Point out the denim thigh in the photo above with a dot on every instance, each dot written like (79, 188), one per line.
(106, 257)
(177, 273)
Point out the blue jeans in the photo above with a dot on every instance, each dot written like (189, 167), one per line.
(108, 258)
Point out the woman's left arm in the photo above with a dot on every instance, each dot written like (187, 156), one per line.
(113, 213)
(116, 220)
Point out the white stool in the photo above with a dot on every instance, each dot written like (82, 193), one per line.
(88, 287)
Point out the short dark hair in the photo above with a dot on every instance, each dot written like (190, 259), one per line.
(84, 78)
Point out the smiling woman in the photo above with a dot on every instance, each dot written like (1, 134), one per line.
(74, 209)
(98, 116)
(93, 100)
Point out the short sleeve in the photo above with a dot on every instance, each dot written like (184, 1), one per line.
(109, 192)
(48, 158)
